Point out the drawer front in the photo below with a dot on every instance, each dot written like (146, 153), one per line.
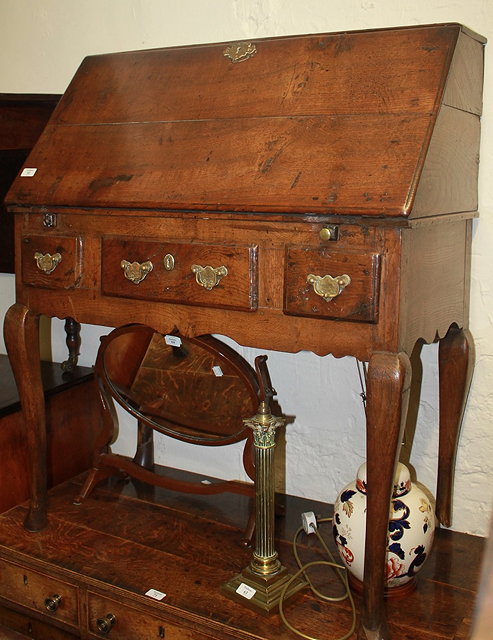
(328, 283)
(183, 273)
(110, 619)
(51, 262)
(29, 626)
(39, 592)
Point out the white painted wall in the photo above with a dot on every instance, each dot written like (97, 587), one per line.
(42, 44)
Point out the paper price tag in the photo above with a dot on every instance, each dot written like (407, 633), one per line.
(154, 593)
(28, 172)
(246, 591)
(173, 341)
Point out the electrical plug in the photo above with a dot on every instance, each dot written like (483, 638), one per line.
(308, 521)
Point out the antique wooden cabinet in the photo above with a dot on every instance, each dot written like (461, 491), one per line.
(73, 421)
(307, 192)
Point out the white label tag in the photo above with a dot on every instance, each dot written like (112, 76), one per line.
(217, 371)
(246, 591)
(173, 341)
(28, 172)
(154, 593)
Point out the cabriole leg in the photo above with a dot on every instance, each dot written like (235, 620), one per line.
(21, 331)
(388, 381)
(455, 364)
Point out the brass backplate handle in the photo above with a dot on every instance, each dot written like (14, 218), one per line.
(47, 262)
(209, 277)
(328, 287)
(136, 271)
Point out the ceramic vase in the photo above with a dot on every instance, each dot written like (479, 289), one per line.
(410, 533)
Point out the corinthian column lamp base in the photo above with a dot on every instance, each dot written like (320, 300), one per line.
(261, 593)
(261, 584)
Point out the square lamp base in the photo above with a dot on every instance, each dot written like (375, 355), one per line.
(261, 593)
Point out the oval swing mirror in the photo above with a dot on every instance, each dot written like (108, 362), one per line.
(195, 389)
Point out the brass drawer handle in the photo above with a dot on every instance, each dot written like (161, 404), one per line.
(106, 623)
(209, 277)
(51, 604)
(136, 271)
(328, 287)
(47, 262)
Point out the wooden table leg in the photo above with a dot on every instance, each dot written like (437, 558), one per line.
(144, 455)
(388, 381)
(72, 330)
(456, 364)
(21, 331)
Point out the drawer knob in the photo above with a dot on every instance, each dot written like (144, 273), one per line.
(329, 233)
(106, 623)
(52, 603)
(47, 262)
(209, 277)
(136, 271)
(328, 287)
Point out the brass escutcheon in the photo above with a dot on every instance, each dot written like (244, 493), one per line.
(328, 287)
(49, 220)
(240, 51)
(169, 262)
(136, 271)
(209, 277)
(47, 262)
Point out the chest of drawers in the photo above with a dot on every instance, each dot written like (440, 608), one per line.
(64, 608)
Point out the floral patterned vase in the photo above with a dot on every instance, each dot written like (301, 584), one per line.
(411, 529)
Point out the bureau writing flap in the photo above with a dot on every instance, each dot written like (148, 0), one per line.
(346, 123)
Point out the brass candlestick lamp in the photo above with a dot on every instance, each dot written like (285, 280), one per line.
(259, 586)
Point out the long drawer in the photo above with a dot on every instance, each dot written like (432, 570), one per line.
(112, 619)
(184, 273)
(39, 592)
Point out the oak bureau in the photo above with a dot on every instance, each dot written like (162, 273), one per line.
(309, 192)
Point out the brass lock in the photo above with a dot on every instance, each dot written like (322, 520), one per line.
(240, 51)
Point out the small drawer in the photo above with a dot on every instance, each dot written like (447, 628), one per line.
(182, 273)
(51, 262)
(110, 619)
(39, 592)
(326, 283)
